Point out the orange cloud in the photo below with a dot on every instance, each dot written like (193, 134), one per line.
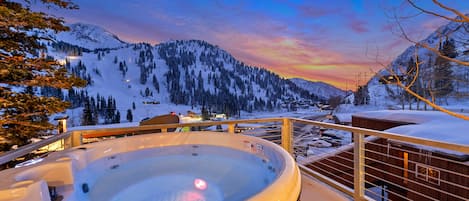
(291, 57)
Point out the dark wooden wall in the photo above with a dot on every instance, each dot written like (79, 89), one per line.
(385, 165)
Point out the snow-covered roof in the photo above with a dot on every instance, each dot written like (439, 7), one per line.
(433, 125)
(410, 116)
(344, 117)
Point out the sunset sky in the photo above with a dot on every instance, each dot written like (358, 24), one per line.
(336, 41)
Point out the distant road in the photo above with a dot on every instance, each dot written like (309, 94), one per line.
(317, 117)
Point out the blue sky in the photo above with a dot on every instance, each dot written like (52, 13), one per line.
(326, 40)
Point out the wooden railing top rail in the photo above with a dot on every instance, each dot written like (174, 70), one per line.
(26, 149)
(11, 155)
(113, 131)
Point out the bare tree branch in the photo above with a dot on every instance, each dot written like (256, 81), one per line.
(464, 18)
(417, 64)
(461, 15)
(428, 47)
(432, 104)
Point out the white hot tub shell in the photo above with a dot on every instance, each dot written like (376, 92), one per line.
(59, 169)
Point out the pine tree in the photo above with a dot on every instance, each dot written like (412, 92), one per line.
(361, 96)
(205, 113)
(23, 63)
(129, 115)
(87, 117)
(416, 85)
(442, 73)
(117, 117)
(156, 84)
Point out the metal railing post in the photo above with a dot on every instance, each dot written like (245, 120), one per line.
(359, 166)
(76, 139)
(287, 135)
(68, 142)
(231, 128)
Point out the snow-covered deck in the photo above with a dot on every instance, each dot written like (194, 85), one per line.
(432, 125)
(312, 189)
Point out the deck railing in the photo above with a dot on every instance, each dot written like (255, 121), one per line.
(369, 165)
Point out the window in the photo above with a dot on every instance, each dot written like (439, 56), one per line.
(433, 176)
(427, 173)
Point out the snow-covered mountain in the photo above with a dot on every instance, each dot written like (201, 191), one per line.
(90, 37)
(190, 74)
(456, 33)
(321, 89)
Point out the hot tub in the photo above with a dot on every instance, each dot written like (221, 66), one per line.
(193, 166)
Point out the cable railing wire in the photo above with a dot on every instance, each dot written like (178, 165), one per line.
(339, 164)
(332, 168)
(410, 171)
(388, 191)
(419, 153)
(411, 181)
(374, 193)
(416, 162)
(347, 182)
(400, 186)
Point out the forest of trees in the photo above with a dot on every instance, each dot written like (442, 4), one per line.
(215, 88)
(67, 48)
(233, 89)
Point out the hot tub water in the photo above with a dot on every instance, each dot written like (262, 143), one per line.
(177, 173)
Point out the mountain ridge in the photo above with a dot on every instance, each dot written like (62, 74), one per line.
(321, 89)
(194, 73)
(451, 31)
(83, 31)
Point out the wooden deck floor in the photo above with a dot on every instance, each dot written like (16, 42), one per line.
(313, 189)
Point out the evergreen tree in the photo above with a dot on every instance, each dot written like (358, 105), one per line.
(156, 84)
(22, 114)
(442, 72)
(87, 117)
(129, 115)
(205, 113)
(361, 96)
(147, 92)
(117, 117)
(143, 75)
(410, 77)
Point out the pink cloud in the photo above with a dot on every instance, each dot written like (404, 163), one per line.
(293, 57)
(316, 11)
(388, 27)
(359, 26)
(434, 23)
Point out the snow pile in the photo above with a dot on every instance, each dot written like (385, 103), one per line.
(432, 125)
(410, 116)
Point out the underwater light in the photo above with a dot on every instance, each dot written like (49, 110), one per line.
(200, 184)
